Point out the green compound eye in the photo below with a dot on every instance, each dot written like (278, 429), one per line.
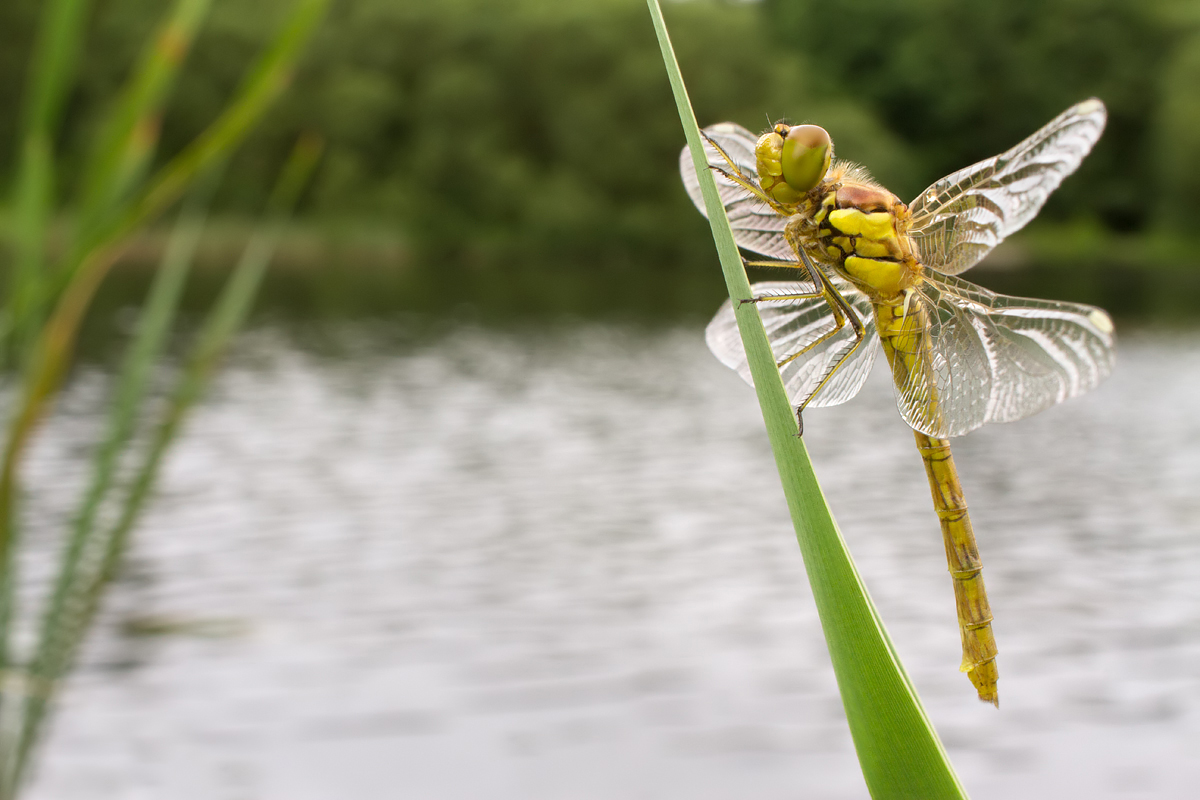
(807, 151)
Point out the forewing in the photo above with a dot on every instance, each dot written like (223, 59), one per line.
(790, 326)
(996, 358)
(756, 226)
(958, 220)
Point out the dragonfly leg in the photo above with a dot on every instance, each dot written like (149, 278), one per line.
(793, 265)
(839, 322)
(750, 186)
(798, 296)
(786, 265)
(840, 318)
(735, 174)
(842, 312)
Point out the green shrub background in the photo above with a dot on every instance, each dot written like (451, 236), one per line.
(541, 132)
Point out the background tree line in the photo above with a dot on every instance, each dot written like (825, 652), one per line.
(537, 131)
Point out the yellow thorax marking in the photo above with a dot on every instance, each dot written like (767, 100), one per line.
(885, 277)
(872, 249)
(877, 225)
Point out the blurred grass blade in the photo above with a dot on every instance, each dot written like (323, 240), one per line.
(223, 321)
(31, 220)
(53, 66)
(82, 597)
(127, 140)
(266, 81)
(62, 620)
(56, 341)
(50, 354)
(52, 70)
(128, 137)
(898, 749)
(50, 80)
(239, 292)
(263, 83)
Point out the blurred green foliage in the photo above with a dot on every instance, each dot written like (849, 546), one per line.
(1177, 148)
(541, 132)
(537, 131)
(960, 81)
(487, 131)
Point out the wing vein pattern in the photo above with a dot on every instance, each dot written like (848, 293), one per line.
(987, 357)
(996, 358)
(960, 218)
(791, 326)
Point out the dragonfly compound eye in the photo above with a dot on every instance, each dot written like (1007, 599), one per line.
(768, 152)
(807, 151)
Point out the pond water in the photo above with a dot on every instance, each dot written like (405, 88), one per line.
(556, 563)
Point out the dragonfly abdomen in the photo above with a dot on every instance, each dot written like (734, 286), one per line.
(962, 556)
(903, 333)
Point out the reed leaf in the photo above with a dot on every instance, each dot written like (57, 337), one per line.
(51, 76)
(79, 597)
(117, 200)
(65, 619)
(56, 341)
(126, 142)
(898, 749)
(124, 149)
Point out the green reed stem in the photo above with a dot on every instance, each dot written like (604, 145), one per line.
(898, 749)
(115, 202)
(51, 74)
(65, 618)
(56, 341)
(127, 141)
(81, 595)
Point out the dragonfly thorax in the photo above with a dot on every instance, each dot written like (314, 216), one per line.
(860, 229)
(838, 214)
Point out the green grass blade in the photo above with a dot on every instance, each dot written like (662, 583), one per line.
(50, 80)
(61, 623)
(84, 595)
(50, 354)
(265, 82)
(127, 140)
(125, 146)
(56, 341)
(32, 203)
(900, 753)
(51, 76)
(56, 50)
(239, 292)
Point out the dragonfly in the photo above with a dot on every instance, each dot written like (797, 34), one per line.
(876, 273)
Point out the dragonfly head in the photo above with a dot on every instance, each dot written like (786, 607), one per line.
(795, 157)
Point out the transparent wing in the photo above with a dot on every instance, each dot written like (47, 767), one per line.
(792, 324)
(958, 220)
(996, 358)
(756, 226)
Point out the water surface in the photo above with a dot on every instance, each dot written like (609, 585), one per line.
(556, 563)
